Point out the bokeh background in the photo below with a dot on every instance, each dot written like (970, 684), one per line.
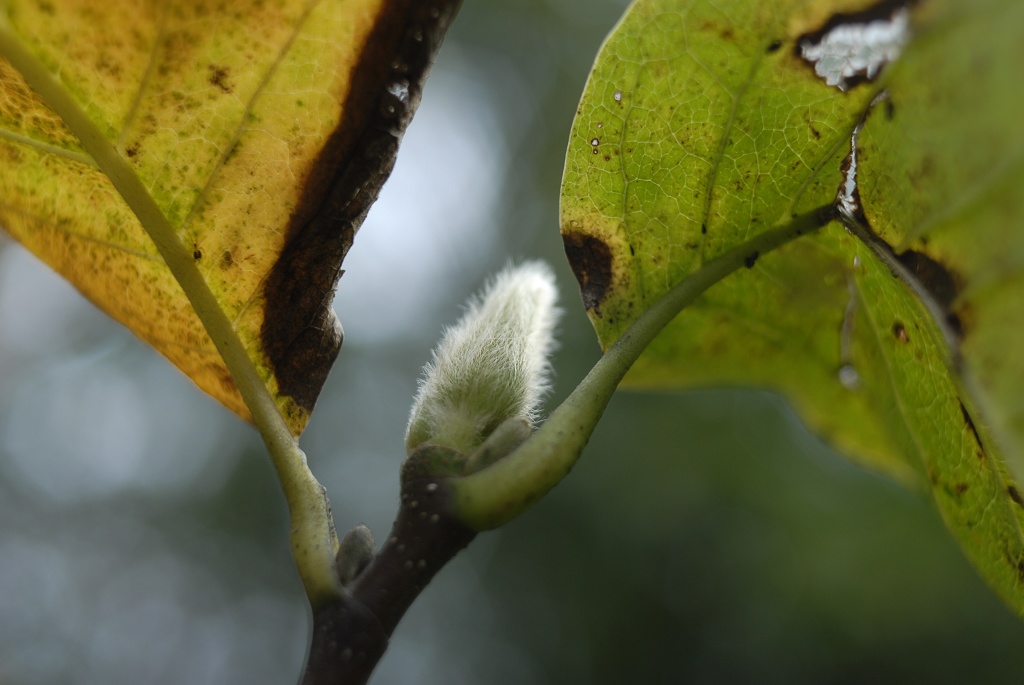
(705, 537)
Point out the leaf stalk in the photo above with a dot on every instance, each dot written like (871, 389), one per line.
(493, 496)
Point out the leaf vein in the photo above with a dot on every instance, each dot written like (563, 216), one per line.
(9, 208)
(147, 77)
(242, 124)
(48, 148)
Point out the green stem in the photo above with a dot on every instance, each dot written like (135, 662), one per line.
(313, 538)
(492, 497)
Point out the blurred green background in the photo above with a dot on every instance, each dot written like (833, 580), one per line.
(704, 537)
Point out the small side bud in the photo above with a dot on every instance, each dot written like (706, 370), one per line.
(499, 444)
(492, 365)
(355, 553)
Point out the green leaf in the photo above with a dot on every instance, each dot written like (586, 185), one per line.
(152, 150)
(941, 181)
(705, 124)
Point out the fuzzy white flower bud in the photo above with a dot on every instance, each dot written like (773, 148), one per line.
(492, 365)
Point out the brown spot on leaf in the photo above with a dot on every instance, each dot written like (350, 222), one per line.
(922, 176)
(751, 259)
(969, 422)
(300, 334)
(774, 46)
(591, 262)
(219, 78)
(1014, 494)
(960, 488)
(940, 281)
(900, 332)
(1014, 559)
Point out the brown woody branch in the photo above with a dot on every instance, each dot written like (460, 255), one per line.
(351, 633)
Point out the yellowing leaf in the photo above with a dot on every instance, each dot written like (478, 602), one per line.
(260, 131)
(894, 333)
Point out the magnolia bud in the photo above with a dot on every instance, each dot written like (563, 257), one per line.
(492, 365)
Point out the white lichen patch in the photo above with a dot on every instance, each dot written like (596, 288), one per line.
(851, 52)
